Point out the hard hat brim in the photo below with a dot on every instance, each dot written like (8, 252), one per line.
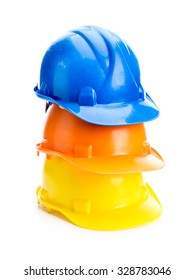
(110, 114)
(118, 164)
(126, 217)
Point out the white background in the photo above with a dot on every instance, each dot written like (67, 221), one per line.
(162, 35)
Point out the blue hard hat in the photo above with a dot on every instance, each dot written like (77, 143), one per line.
(95, 75)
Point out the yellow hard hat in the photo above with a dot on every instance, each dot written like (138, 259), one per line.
(101, 149)
(97, 201)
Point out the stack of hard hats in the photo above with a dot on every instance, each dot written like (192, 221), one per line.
(94, 137)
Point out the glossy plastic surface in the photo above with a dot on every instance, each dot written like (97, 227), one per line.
(101, 149)
(97, 201)
(95, 75)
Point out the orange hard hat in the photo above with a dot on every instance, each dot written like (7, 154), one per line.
(101, 149)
